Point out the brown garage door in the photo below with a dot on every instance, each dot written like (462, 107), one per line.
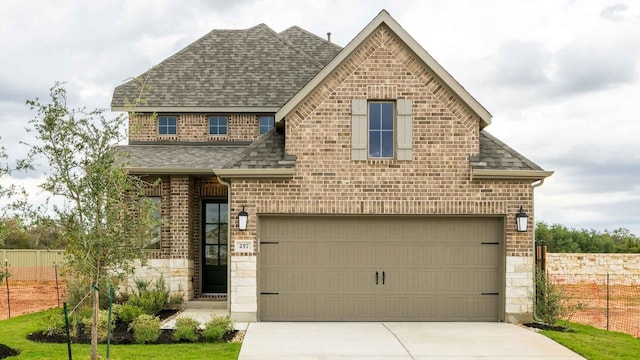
(380, 269)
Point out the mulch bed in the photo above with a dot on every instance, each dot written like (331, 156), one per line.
(6, 351)
(543, 326)
(119, 336)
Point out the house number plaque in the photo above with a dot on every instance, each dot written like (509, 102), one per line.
(243, 245)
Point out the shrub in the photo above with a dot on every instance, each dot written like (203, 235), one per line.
(53, 323)
(126, 313)
(76, 292)
(186, 329)
(103, 319)
(151, 300)
(146, 328)
(552, 302)
(215, 328)
(175, 300)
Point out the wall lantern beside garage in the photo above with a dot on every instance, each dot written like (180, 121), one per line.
(522, 220)
(243, 218)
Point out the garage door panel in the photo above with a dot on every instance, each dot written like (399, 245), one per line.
(311, 281)
(435, 269)
(439, 256)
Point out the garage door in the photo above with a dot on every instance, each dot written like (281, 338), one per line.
(380, 269)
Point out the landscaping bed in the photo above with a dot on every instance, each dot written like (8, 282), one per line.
(120, 335)
(6, 351)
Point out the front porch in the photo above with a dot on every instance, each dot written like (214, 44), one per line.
(192, 254)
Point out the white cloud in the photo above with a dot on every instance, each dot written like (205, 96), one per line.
(560, 77)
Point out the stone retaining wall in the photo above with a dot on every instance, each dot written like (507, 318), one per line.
(624, 267)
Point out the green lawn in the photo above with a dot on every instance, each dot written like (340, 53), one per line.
(13, 333)
(596, 344)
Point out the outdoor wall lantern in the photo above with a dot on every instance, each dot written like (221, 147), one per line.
(522, 220)
(243, 217)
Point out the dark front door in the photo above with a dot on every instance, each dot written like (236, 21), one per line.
(214, 246)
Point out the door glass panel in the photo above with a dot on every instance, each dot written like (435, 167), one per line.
(223, 213)
(223, 255)
(214, 246)
(212, 213)
(223, 234)
(211, 255)
(211, 234)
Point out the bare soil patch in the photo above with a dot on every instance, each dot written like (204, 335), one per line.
(617, 307)
(29, 296)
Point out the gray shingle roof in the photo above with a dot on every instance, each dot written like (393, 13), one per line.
(256, 67)
(175, 157)
(317, 47)
(265, 153)
(496, 155)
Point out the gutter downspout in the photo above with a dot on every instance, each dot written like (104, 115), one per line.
(228, 185)
(533, 186)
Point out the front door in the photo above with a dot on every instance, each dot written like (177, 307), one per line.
(214, 246)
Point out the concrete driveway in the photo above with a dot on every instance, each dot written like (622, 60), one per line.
(397, 340)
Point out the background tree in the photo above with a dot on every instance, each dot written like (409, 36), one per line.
(560, 239)
(104, 219)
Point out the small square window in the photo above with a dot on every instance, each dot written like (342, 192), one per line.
(167, 125)
(381, 130)
(218, 125)
(266, 123)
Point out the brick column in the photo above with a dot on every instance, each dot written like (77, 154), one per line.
(180, 259)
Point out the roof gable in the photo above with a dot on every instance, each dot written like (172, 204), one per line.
(254, 69)
(384, 18)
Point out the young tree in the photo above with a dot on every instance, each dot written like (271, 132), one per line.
(105, 220)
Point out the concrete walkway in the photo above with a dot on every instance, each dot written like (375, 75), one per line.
(202, 315)
(203, 311)
(397, 340)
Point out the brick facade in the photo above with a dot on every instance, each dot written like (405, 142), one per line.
(437, 181)
(194, 128)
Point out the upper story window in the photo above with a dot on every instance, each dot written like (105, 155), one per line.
(167, 125)
(266, 122)
(218, 125)
(381, 129)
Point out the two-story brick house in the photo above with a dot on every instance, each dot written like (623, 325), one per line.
(372, 190)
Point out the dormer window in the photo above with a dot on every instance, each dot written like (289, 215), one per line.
(218, 125)
(266, 122)
(167, 125)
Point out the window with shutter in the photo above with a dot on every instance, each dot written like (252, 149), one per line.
(381, 129)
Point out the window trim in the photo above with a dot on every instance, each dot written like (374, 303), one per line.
(167, 126)
(218, 126)
(394, 131)
(260, 126)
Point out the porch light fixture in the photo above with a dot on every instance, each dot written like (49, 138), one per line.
(522, 220)
(243, 217)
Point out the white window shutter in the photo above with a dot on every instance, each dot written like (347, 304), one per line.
(359, 129)
(405, 129)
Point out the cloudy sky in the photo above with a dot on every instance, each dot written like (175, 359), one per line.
(560, 77)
